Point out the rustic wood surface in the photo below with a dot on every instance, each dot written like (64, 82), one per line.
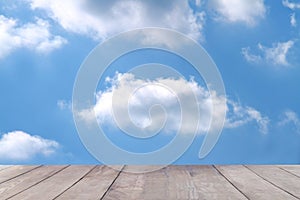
(172, 182)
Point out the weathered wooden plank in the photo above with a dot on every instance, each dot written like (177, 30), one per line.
(174, 182)
(279, 177)
(180, 185)
(253, 186)
(131, 186)
(56, 184)
(4, 166)
(294, 169)
(142, 168)
(93, 185)
(211, 185)
(14, 171)
(25, 181)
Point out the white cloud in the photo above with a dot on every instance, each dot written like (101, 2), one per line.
(249, 12)
(291, 5)
(101, 19)
(198, 3)
(275, 55)
(249, 56)
(290, 117)
(278, 52)
(21, 146)
(240, 115)
(293, 20)
(63, 104)
(152, 93)
(34, 36)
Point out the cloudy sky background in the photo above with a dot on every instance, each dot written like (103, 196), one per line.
(255, 45)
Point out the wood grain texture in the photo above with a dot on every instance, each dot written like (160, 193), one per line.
(14, 171)
(279, 178)
(211, 184)
(174, 182)
(293, 169)
(55, 185)
(132, 186)
(253, 186)
(171, 182)
(4, 167)
(25, 181)
(93, 185)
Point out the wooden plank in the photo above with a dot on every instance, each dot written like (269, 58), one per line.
(211, 185)
(139, 169)
(25, 181)
(55, 185)
(280, 178)
(179, 184)
(174, 182)
(14, 171)
(294, 169)
(4, 167)
(93, 185)
(132, 186)
(253, 186)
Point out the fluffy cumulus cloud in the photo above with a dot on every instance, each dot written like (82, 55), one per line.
(34, 35)
(249, 12)
(21, 146)
(275, 55)
(290, 117)
(153, 92)
(101, 19)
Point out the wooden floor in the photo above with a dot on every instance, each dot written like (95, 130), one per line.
(172, 182)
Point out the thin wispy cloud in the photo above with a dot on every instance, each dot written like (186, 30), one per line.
(293, 20)
(275, 55)
(64, 105)
(290, 118)
(239, 115)
(291, 4)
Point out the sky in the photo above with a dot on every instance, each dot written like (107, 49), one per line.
(255, 45)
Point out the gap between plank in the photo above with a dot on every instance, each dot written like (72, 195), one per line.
(21, 174)
(270, 182)
(106, 192)
(38, 182)
(75, 182)
(230, 182)
(286, 170)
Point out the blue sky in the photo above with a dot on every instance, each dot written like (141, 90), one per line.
(255, 45)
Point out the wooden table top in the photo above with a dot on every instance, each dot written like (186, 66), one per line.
(172, 182)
